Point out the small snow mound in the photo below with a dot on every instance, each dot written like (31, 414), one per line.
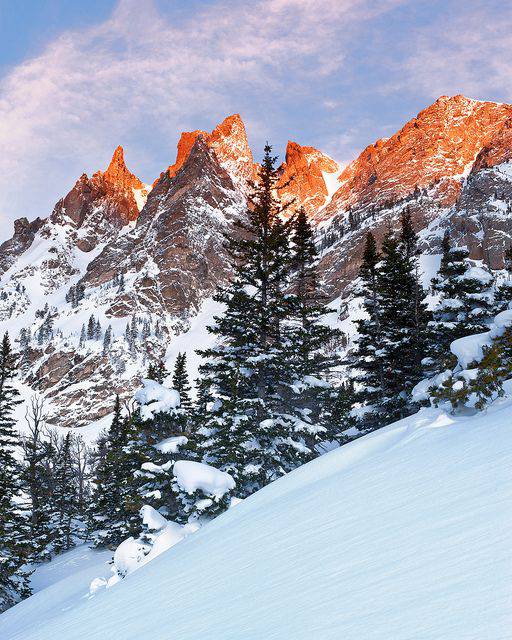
(153, 520)
(128, 556)
(171, 445)
(192, 476)
(155, 398)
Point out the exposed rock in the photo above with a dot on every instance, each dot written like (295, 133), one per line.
(303, 182)
(24, 234)
(229, 142)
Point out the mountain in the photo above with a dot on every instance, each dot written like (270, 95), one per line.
(401, 534)
(434, 166)
(146, 259)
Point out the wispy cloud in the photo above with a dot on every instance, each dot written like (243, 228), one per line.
(139, 78)
(471, 54)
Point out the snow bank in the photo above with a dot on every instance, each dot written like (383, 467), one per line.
(402, 534)
(154, 398)
(470, 348)
(193, 476)
(159, 535)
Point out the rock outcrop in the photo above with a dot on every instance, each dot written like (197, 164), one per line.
(307, 177)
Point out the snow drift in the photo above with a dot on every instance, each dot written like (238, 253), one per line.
(402, 534)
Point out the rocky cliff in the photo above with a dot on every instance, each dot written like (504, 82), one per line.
(143, 260)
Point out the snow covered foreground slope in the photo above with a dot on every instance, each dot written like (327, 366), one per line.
(404, 534)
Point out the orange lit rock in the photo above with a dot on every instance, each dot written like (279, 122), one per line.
(302, 181)
(433, 150)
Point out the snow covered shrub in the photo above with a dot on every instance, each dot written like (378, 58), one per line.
(202, 490)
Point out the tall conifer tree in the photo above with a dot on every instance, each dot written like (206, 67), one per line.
(14, 548)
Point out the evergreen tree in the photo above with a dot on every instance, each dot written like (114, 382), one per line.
(91, 325)
(503, 294)
(248, 431)
(64, 502)
(114, 503)
(465, 300)
(14, 547)
(180, 381)
(157, 371)
(107, 339)
(368, 359)
(311, 397)
(81, 342)
(393, 341)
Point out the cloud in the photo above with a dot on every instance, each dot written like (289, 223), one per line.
(471, 54)
(141, 78)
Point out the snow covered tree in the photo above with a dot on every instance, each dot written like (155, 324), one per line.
(14, 548)
(393, 340)
(368, 358)
(64, 501)
(465, 300)
(81, 342)
(306, 340)
(157, 371)
(91, 325)
(113, 508)
(248, 431)
(503, 293)
(107, 339)
(180, 381)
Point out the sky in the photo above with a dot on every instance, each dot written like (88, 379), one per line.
(79, 78)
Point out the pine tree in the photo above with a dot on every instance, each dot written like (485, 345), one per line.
(465, 301)
(81, 342)
(157, 371)
(113, 508)
(368, 360)
(13, 547)
(180, 381)
(107, 340)
(90, 328)
(248, 432)
(64, 502)
(311, 395)
(503, 294)
(393, 341)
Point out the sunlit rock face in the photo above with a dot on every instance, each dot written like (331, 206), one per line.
(229, 142)
(306, 179)
(428, 166)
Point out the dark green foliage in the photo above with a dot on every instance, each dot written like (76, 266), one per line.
(14, 547)
(393, 340)
(180, 382)
(157, 371)
(260, 390)
(466, 301)
(113, 513)
(64, 499)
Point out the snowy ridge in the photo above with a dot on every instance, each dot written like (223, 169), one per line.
(401, 534)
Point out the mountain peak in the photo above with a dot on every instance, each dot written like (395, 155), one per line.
(305, 170)
(118, 173)
(229, 142)
(435, 149)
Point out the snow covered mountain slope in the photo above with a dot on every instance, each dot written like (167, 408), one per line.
(403, 534)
